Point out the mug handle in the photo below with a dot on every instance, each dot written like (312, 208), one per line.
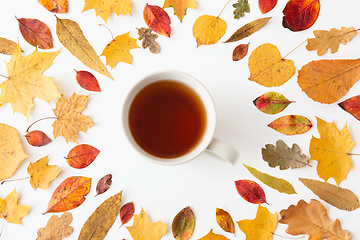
(223, 150)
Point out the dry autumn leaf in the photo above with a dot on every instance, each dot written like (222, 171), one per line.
(56, 228)
(10, 210)
(212, 236)
(69, 194)
(332, 151)
(104, 8)
(208, 29)
(283, 156)
(87, 81)
(73, 39)
(268, 68)
(143, 228)
(36, 33)
(271, 102)
(103, 184)
(148, 40)
(240, 52)
(266, 6)
(341, 198)
(81, 156)
(180, 6)
(25, 80)
(118, 50)
(241, 7)
(225, 221)
(291, 124)
(11, 151)
(352, 106)
(330, 39)
(41, 174)
(157, 19)
(260, 228)
(312, 219)
(250, 191)
(299, 15)
(183, 224)
(7, 46)
(126, 212)
(55, 6)
(102, 219)
(37, 138)
(69, 118)
(326, 81)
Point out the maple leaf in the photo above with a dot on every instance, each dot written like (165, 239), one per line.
(55, 6)
(25, 80)
(268, 68)
(10, 210)
(56, 228)
(149, 40)
(208, 29)
(69, 118)
(260, 228)
(180, 6)
(241, 7)
(41, 174)
(312, 219)
(330, 39)
(332, 151)
(212, 236)
(104, 8)
(118, 50)
(11, 151)
(143, 228)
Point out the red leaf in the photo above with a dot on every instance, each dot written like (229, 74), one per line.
(36, 33)
(300, 14)
(267, 5)
(37, 138)
(352, 106)
(240, 52)
(103, 184)
(81, 156)
(250, 191)
(157, 19)
(126, 212)
(87, 81)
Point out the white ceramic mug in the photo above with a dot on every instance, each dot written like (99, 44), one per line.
(208, 142)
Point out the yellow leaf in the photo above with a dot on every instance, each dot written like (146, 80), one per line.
(260, 228)
(118, 50)
(25, 80)
(212, 236)
(11, 151)
(180, 6)
(41, 174)
(268, 68)
(10, 210)
(69, 118)
(144, 229)
(332, 151)
(208, 29)
(104, 8)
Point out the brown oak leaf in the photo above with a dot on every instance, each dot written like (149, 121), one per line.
(56, 228)
(148, 40)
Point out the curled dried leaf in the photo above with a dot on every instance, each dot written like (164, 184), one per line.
(37, 138)
(148, 40)
(103, 184)
(126, 212)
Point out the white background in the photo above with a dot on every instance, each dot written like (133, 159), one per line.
(204, 183)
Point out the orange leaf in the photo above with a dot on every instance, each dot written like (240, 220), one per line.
(180, 6)
(225, 221)
(37, 138)
(69, 194)
(87, 81)
(352, 106)
(36, 33)
(266, 6)
(300, 14)
(55, 6)
(291, 124)
(157, 19)
(240, 52)
(81, 156)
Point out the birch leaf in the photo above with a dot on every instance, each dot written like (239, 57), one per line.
(208, 29)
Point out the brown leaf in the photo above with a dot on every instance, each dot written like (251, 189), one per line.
(103, 184)
(56, 228)
(149, 40)
(36, 33)
(240, 52)
(37, 138)
(7, 46)
(126, 212)
(81, 156)
(225, 221)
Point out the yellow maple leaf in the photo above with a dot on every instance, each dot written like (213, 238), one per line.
(332, 151)
(69, 118)
(208, 29)
(11, 151)
(212, 236)
(103, 8)
(180, 6)
(41, 174)
(10, 210)
(25, 80)
(268, 68)
(260, 228)
(144, 229)
(118, 50)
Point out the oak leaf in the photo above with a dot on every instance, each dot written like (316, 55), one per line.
(183, 224)
(69, 118)
(104, 8)
(260, 228)
(11, 151)
(225, 221)
(271, 102)
(148, 40)
(126, 212)
(283, 156)
(55, 6)
(102, 219)
(291, 124)
(208, 29)
(332, 151)
(118, 50)
(41, 174)
(56, 228)
(266, 6)
(250, 191)
(330, 39)
(37, 138)
(7, 46)
(81, 156)
(143, 228)
(10, 210)
(157, 19)
(352, 106)
(268, 68)
(25, 80)
(180, 6)
(241, 7)
(212, 236)
(312, 219)
(36, 33)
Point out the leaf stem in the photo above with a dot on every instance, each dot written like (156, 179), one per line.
(27, 130)
(354, 154)
(3, 76)
(294, 49)
(12, 180)
(112, 36)
(2, 227)
(223, 9)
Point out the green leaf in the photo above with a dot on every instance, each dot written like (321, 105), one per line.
(183, 224)
(271, 102)
(241, 7)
